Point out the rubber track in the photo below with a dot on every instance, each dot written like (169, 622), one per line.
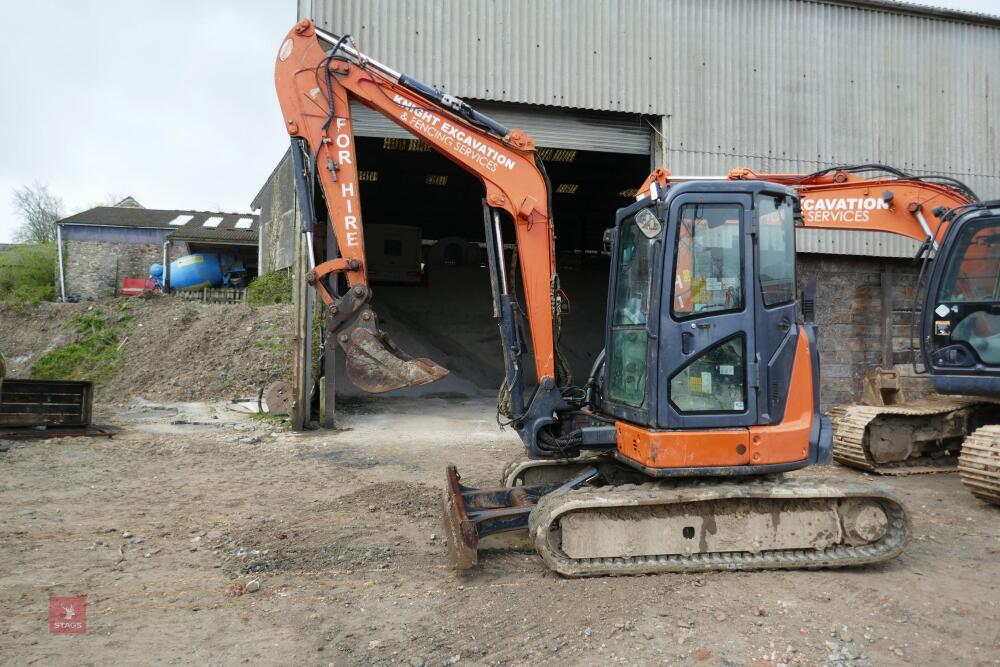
(979, 463)
(553, 506)
(852, 422)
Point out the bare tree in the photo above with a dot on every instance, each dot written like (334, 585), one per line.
(39, 210)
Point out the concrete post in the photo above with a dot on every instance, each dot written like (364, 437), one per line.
(302, 334)
(59, 258)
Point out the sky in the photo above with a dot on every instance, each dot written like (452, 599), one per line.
(171, 102)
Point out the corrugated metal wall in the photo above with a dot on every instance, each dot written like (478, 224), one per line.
(557, 128)
(777, 85)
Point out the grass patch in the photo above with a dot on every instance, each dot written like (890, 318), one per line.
(270, 288)
(96, 355)
(28, 274)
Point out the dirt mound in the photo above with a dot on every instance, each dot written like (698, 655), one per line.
(182, 351)
(28, 332)
(172, 350)
(451, 322)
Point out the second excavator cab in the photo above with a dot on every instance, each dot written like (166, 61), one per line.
(961, 326)
(960, 337)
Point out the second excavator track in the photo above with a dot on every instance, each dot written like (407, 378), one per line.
(979, 463)
(876, 439)
(849, 525)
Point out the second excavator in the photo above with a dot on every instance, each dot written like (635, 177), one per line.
(955, 316)
(670, 456)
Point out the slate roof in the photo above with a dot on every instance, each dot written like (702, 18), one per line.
(191, 229)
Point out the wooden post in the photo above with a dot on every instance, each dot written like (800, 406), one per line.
(887, 317)
(330, 352)
(302, 334)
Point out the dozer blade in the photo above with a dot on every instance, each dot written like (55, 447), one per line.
(376, 365)
(463, 541)
(470, 514)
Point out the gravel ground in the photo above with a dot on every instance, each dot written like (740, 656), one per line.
(201, 536)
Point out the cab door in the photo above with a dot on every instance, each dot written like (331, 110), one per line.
(707, 364)
(776, 306)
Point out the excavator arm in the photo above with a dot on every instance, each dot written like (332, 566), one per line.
(317, 75)
(843, 198)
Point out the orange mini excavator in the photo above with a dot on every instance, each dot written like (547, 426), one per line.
(668, 458)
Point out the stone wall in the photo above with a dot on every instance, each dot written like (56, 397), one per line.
(94, 269)
(849, 313)
(278, 224)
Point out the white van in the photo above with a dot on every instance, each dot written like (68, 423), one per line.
(394, 254)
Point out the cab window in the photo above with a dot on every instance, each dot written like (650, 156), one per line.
(630, 311)
(972, 273)
(708, 274)
(713, 381)
(971, 286)
(776, 234)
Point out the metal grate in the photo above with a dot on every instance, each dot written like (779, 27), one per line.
(25, 403)
(213, 295)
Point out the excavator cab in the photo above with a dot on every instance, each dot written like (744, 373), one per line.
(961, 322)
(702, 331)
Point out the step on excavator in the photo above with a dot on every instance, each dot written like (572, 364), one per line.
(671, 456)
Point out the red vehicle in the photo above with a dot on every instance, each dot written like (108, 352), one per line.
(136, 286)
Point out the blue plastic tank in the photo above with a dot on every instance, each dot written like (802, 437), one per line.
(156, 273)
(196, 271)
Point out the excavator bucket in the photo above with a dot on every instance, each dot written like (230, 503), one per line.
(376, 365)
(881, 388)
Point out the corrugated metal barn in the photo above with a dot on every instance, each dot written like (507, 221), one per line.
(610, 88)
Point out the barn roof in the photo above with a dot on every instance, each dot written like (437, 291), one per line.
(186, 225)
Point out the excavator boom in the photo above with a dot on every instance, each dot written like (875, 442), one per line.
(317, 75)
(843, 198)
